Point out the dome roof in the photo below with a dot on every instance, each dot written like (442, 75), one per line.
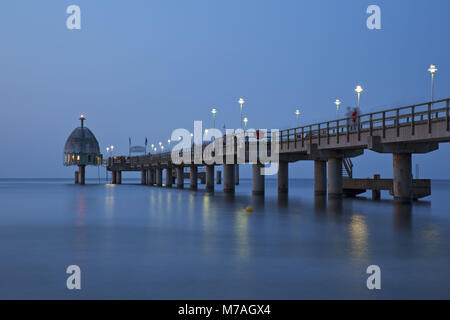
(82, 140)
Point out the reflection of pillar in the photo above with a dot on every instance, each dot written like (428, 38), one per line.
(283, 177)
(159, 176)
(180, 177)
(236, 177)
(113, 177)
(402, 215)
(82, 173)
(144, 177)
(320, 177)
(228, 178)
(376, 194)
(76, 177)
(219, 177)
(335, 178)
(210, 178)
(169, 180)
(193, 177)
(402, 177)
(257, 179)
(119, 177)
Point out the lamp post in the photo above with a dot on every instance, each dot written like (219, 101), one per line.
(241, 102)
(168, 142)
(337, 103)
(107, 152)
(245, 123)
(432, 70)
(358, 90)
(112, 150)
(297, 113)
(214, 111)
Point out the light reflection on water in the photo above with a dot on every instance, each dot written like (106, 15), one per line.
(135, 241)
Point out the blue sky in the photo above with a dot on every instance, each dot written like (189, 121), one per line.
(143, 68)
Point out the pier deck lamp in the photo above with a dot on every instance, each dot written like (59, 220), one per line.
(358, 90)
(241, 102)
(297, 113)
(245, 122)
(432, 69)
(214, 111)
(337, 103)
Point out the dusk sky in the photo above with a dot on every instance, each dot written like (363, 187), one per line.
(143, 68)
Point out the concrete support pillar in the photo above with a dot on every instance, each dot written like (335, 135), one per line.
(219, 177)
(158, 177)
(257, 180)
(229, 173)
(144, 177)
(320, 177)
(82, 174)
(335, 178)
(402, 177)
(150, 180)
(236, 177)
(119, 177)
(169, 179)
(113, 177)
(76, 177)
(283, 177)
(193, 178)
(376, 194)
(180, 177)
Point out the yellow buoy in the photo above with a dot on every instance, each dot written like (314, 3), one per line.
(249, 209)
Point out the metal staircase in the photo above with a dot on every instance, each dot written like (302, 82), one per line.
(347, 168)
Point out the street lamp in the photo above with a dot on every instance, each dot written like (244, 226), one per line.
(297, 113)
(358, 90)
(432, 70)
(337, 103)
(214, 111)
(241, 102)
(168, 141)
(245, 122)
(112, 149)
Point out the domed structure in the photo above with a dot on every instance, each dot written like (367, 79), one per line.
(82, 149)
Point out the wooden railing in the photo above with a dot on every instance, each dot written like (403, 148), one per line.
(424, 113)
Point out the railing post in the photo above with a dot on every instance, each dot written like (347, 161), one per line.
(328, 132)
(310, 135)
(281, 140)
(371, 125)
(384, 124)
(295, 138)
(429, 118)
(348, 131)
(359, 128)
(413, 124)
(447, 107)
(319, 133)
(288, 134)
(397, 122)
(337, 131)
(303, 137)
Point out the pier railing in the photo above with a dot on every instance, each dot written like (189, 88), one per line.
(424, 113)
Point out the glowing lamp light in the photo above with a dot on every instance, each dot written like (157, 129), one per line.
(432, 69)
(358, 89)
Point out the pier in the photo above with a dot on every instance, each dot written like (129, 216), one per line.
(401, 132)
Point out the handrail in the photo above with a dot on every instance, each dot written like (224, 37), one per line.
(324, 130)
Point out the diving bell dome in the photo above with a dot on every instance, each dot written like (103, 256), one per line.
(82, 147)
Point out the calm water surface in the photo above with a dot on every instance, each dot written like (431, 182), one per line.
(134, 241)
